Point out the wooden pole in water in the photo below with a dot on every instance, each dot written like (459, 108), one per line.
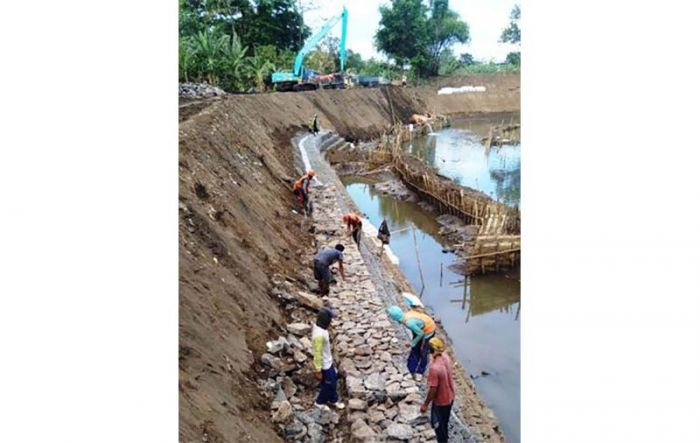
(464, 296)
(441, 274)
(420, 271)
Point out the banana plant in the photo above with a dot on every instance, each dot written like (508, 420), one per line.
(234, 60)
(186, 58)
(259, 68)
(208, 48)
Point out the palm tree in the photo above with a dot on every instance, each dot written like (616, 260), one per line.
(208, 48)
(259, 67)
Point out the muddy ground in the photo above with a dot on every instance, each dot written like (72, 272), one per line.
(236, 230)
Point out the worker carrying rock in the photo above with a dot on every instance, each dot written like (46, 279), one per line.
(353, 226)
(323, 362)
(442, 389)
(301, 190)
(322, 266)
(423, 329)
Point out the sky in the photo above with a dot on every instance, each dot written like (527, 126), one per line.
(486, 20)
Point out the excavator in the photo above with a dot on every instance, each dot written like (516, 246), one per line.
(302, 79)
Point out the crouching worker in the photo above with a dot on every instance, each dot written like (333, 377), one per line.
(322, 266)
(423, 329)
(442, 389)
(353, 225)
(323, 362)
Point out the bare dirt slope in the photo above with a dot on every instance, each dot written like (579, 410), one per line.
(236, 230)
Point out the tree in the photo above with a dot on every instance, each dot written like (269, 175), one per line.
(325, 57)
(448, 63)
(186, 59)
(403, 30)
(406, 33)
(208, 47)
(259, 68)
(278, 23)
(467, 59)
(233, 59)
(445, 30)
(513, 58)
(353, 61)
(512, 33)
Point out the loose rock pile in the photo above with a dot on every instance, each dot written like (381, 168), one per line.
(197, 90)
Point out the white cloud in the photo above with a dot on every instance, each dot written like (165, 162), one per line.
(486, 19)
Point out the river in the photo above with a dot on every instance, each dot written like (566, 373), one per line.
(481, 314)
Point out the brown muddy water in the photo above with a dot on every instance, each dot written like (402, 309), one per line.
(481, 314)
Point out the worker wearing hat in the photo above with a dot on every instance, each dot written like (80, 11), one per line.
(301, 190)
(442, 389)
(422, 327)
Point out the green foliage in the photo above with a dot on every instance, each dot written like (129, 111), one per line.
(512, 33)
(186, 59)
(403, 30)
(233, 64)
(467, 59)
(513, 58)
(380, 68)
(406, 33)
(449, 64)
(259, 68)
(215, 36)
(445, 29)
(278, 23)
(486, 68)
(325, 58)
(208, 48)
(353, 62)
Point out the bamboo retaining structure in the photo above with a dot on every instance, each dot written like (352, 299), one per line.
(497, 244)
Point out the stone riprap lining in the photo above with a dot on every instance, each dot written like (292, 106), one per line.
(370, 350)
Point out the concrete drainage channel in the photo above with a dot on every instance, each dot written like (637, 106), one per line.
(383, 399)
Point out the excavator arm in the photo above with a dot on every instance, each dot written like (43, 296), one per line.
(315, 39)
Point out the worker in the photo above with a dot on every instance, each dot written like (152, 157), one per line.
(442, 389)
(384, 235)
(423, 329)
(313, 126)
(322, 263)
(323, 362)
(353, 226)
(403, 80)
(301, 190)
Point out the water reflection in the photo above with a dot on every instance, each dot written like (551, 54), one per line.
(477, 298)
(459, 153)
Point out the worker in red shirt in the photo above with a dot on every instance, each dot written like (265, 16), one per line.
(301, 190)
(353, 225)
(442, 389)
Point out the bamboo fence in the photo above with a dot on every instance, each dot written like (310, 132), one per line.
(497, 243)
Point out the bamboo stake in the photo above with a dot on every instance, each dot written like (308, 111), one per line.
(415, 245)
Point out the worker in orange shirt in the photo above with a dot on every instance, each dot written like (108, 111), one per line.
(301, 190)
(353, 226)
